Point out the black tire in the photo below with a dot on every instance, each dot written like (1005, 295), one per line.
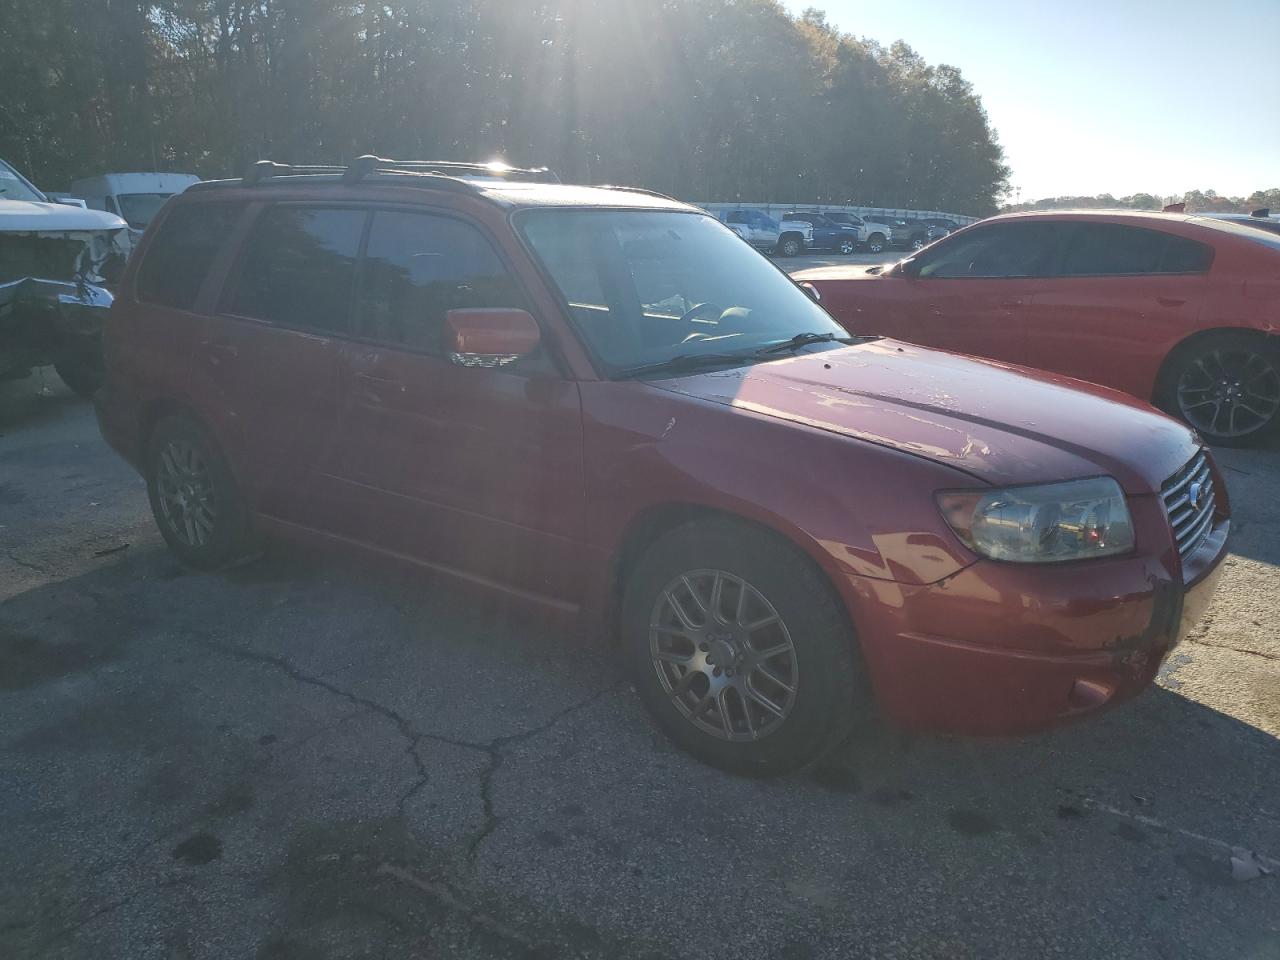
(226, 535)
(1226, 386)
(82, 374)
(876, 243)
(847, 246)
(822, 664)
(790, 246)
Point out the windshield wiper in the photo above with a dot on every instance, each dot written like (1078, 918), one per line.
(798, 341)
(685, 361)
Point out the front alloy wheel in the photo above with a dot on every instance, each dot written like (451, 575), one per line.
(740, 648)
(723, 655)
(847, 246)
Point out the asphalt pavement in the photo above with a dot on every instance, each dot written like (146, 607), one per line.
(310, 757)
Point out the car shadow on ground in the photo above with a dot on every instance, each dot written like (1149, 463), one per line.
(37, 399)
(352, 746)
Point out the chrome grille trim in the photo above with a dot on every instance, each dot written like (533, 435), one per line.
(1191, 523)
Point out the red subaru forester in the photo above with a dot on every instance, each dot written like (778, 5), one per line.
(601, 404)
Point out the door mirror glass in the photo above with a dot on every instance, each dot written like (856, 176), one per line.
(489, 337)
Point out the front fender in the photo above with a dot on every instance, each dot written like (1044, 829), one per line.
(858, 509)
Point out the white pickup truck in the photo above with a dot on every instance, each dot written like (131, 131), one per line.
(787, 238)
(55, 258)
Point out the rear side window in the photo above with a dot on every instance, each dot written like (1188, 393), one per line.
(180, 254)
(417, 268)
(1112, 249)
(299, 268)
(1186, 256)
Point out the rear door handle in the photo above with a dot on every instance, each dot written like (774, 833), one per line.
(377, 389)
(1010, 304)
(1171, 301)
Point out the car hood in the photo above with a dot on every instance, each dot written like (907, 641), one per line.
(841, 273)
(999, 423)
(27, 216)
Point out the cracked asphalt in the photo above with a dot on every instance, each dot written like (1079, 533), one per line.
(309, 757)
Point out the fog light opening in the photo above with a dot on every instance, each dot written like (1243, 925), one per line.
(1089, 694)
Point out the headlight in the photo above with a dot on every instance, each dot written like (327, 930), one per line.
(1046, 523)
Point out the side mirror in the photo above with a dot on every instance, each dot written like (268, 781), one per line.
(489, 337)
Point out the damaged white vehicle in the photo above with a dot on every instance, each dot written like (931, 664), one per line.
(57, 262)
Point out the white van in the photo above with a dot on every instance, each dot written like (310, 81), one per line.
(136, 197)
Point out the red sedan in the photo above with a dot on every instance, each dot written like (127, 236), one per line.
(1183, 311)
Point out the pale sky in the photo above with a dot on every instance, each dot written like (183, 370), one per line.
(1106, 96)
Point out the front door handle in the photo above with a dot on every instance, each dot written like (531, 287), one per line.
(218, 350)
(1171, 301)
(1010, 304)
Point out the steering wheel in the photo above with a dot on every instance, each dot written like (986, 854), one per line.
(698, 308)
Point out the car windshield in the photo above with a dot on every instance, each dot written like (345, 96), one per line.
(646, 286)
(138, 209)
(13, 187)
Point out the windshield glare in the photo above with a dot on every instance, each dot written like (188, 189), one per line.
(138, 209)
(644, 286)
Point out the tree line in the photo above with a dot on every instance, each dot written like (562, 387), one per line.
(1196, 201)
(702, 99)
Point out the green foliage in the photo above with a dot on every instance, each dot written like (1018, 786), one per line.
(705, 99)
(1196, 201)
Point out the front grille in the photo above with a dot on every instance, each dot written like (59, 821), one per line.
(1190, 502)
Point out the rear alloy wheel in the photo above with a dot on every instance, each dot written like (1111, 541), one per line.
(790, 247)
(848, 246)
(876, 243)
(917, 243)
(740, 649)
(196, 502)
(1228, 388)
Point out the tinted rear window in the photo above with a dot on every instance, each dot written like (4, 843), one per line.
(1101, 249)
(180, 254)
(300, 268)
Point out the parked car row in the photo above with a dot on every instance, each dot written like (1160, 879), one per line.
(600, 404)
(836, 231)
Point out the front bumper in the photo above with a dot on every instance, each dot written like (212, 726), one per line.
(1003, 649)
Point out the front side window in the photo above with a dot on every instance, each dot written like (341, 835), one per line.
(1000, 250)
(645, 286)
(300, 267)
(178, 258)
(417, 268)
